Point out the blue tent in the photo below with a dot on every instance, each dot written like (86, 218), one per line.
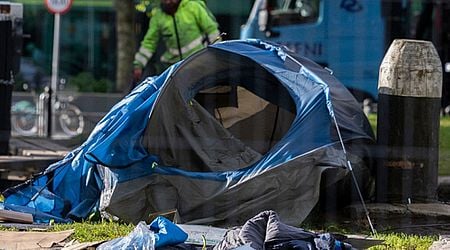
(239, 127)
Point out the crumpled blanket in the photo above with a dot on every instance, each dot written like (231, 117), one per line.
(266, 231)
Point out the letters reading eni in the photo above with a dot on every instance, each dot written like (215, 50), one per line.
(305, 48)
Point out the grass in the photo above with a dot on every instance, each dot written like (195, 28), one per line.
(95, 231)
(391, 240)
(444, 146)
(444, 142)
(404, 241)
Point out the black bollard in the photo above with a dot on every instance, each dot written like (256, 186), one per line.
(5, 114)
(409, 87)
(6, 85)
(10, 50)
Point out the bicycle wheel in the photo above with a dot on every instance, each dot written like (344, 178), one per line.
(23, 118)
(71, 120)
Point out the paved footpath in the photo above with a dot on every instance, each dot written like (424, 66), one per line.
(442, 243)
(444, 240)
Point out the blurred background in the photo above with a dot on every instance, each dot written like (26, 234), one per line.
(98, 39)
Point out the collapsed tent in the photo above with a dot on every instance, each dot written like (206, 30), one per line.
(239, 127)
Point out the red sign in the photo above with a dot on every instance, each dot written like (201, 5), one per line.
(58, 6)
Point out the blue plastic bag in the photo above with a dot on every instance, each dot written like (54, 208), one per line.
(166, 232)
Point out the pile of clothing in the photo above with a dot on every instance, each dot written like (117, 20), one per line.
(263, 231)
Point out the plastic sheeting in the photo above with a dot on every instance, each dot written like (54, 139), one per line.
(140, 238)
(160, 233)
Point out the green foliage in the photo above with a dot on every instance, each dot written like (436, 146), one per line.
(444, 142)
(95, 231)
(146, 6)
(444, 146)
(373, 122)
(2, 228)
(86, 82)
(404, 241)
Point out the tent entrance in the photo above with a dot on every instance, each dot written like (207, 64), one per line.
(231, 111)
(256, 122)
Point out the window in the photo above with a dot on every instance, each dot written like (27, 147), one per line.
(285, 12)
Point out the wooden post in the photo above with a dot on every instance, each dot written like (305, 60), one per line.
(409, 99)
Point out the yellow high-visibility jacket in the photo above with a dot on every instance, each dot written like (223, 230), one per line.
(186, 32)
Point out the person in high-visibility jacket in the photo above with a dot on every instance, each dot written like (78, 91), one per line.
(185, 26)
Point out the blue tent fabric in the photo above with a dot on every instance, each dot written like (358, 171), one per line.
(73, 187)
(75, 178)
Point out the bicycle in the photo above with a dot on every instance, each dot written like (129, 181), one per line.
(23, 118)
(28, 119)
(69, 116)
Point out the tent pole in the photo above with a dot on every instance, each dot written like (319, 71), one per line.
(349, 165)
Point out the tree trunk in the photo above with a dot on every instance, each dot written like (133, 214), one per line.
(125, 43)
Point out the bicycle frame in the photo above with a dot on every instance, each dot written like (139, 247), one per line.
(66, 115)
